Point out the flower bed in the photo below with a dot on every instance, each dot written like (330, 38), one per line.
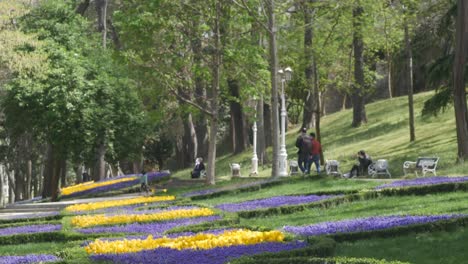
(364, 224)
(223, 190)
(155, 229)
(32, 258)
(275, 201)
(106, 204)
(216, 255)
(200, 241)
(422, 181)
(92, 220)
(29, 229)
(111, 184)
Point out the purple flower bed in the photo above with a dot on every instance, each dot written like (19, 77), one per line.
(155, 228)
(153, 176)
(422, 181)
(28, 259)
(29, 229)
(213, 256)
(130, 210)
(365, 224)
(210, 191)
(275, 201)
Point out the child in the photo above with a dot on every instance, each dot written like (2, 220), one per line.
(144, 182)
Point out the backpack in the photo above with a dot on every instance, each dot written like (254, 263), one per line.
(306, 145)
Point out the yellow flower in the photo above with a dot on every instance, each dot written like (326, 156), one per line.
(91, 185)
(198, 241)
(100, 219)
(106, 204)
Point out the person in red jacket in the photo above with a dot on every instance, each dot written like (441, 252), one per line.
(315, 153)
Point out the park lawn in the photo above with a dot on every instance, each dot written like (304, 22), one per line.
(443, 203)
(423, 248)
(296, 187)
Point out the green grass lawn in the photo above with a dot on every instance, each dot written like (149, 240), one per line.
(422, 248)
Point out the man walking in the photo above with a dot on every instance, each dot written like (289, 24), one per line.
(315, 153)
(304, 145)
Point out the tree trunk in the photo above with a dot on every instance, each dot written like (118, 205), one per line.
(308, 115)
(29, 175)
(409, 82)
(268, 127)
(63, 173)
(99, 171)
(318, 112)
(359, 110)
(237, 122)
(189, 142)
(270, 7)
(260, 132)
(459, 92)
(48, 170)
(216, 67)
(82, 7)
(101, 10)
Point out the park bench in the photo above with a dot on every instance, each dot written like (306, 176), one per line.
(332, 167)
(235, 169)
(422, 164)
(293, 167)
(380, 167)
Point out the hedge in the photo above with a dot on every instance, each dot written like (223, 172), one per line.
(228, 222)
(445, 225)
(52, 222)
(319, 247)
(44, 237)
(313, 260)
(30, 220)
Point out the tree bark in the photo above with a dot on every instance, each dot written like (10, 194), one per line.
(268, 127)
(260, 131)
(216, 65)
(409, 82)
(308, 115)
(101, 10)
(82, 7)
(48, 170)
(237, 119)
(270, 7)
(318, 112)
(359, 110)
(459, 92)
(63, 173)
(99, 171)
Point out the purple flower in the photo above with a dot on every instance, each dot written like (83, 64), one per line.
(152, 176)
(275, 201)
(28, 259)
(29, 229)
(364, 224)
(133, 209)
(422, 181)
(155, 228)
(189, 256)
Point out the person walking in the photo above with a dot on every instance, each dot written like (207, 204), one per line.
(316, 148)
(304, 145)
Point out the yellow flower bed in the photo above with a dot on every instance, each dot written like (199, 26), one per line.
(106, 204)
(199, 241)
(92, 220)
(91, 185)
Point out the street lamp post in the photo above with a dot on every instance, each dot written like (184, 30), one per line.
(283, 155)
(254, 157)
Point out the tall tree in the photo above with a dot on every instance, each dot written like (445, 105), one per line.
(459, 84)
(358, 93)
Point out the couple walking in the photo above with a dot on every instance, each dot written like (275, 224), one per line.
(309, 151)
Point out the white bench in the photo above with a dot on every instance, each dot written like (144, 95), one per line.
(379, 167)
(235, 169)
(332, 167)
(422, 164)
(293, 167)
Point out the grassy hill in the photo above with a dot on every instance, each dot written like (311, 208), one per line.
(386, 135)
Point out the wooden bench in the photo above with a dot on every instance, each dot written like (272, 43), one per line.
(422, 164)
(379, 167)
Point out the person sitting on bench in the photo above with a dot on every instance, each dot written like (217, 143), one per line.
(360, 169)
(199, 167)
